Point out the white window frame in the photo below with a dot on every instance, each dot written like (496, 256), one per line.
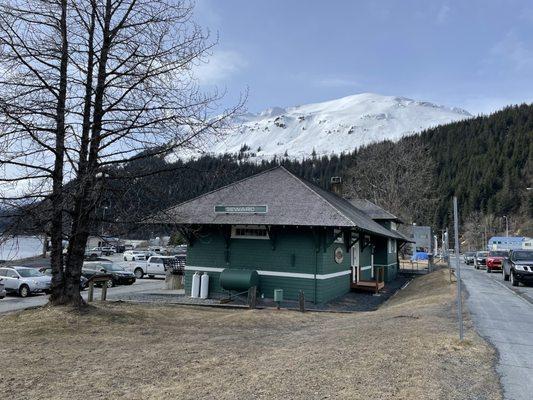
(392, 246)
(394, 226)
(235, 235)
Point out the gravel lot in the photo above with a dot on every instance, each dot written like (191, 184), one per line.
(405, 350)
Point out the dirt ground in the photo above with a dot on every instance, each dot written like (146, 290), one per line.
(408, 349)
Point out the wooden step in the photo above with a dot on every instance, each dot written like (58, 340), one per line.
(368, 285)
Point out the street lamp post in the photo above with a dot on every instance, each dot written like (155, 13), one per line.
(103, 219)
(506, 225)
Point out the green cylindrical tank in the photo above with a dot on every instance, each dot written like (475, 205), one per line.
(238, 279)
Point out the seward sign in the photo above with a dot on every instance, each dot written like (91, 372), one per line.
(241, 209)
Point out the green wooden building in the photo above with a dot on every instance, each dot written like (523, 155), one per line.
(296, 235)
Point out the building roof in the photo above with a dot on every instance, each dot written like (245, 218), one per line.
(373, 210)
(508, 239)
(289, 200)
(404, 237)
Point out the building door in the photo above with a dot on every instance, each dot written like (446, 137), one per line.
(354, 262)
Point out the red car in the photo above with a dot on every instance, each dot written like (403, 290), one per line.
(495, 260)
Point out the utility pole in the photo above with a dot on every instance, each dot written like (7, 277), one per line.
(443, 248)
(446, 250)
(458, 269)
(103, 219)
(506, 226)
(485, 239)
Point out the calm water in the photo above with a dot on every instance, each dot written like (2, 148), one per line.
(15, 248)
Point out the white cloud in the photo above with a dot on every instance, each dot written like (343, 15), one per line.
(220, 66)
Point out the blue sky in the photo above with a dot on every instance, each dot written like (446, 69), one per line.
(472, 54)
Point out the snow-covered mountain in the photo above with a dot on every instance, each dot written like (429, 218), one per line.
(334, 126)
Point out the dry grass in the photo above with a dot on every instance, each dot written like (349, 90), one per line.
(406, 350)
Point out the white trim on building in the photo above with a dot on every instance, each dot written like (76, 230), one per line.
(275, 273)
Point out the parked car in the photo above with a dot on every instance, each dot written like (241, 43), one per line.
(48, 272)
(133, 255)
(518, 267)
(2, 289)
(469, 257)
(120, 275)
(157, 266)
(495, 260)
(92, 253)
(92, 268)
(24, 280)
(106, 251)
(480, 259)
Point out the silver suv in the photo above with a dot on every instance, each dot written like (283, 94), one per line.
(24, 280)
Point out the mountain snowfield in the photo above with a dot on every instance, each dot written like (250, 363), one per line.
(333, 127)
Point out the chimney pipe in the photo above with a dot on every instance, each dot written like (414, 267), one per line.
(336, 185)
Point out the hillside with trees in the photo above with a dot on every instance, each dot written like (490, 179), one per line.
(486, 161)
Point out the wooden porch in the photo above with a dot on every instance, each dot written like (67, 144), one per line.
(374, 285)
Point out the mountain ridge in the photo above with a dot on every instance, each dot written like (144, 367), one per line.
(332, 127)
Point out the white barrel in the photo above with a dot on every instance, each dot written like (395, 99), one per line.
(195, 286)
(204, 287)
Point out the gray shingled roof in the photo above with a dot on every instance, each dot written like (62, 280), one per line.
(290, 201)
(373, 210)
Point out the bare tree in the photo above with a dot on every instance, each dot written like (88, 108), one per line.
(478, 228)
(112, 83)
(397, 176)
(474, 231)
(33, 93)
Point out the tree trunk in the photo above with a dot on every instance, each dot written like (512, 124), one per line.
(56, 238)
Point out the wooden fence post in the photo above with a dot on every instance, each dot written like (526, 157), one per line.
(104, 291)
(301, 300)
(91, 292)
(252, 297)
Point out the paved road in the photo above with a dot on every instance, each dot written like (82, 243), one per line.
(505, 318)
(15, 303)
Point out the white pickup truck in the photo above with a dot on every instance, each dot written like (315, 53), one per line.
(156, 266)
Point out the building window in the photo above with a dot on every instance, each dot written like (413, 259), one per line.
(392, 246)
(249, 232)
(394, 226)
